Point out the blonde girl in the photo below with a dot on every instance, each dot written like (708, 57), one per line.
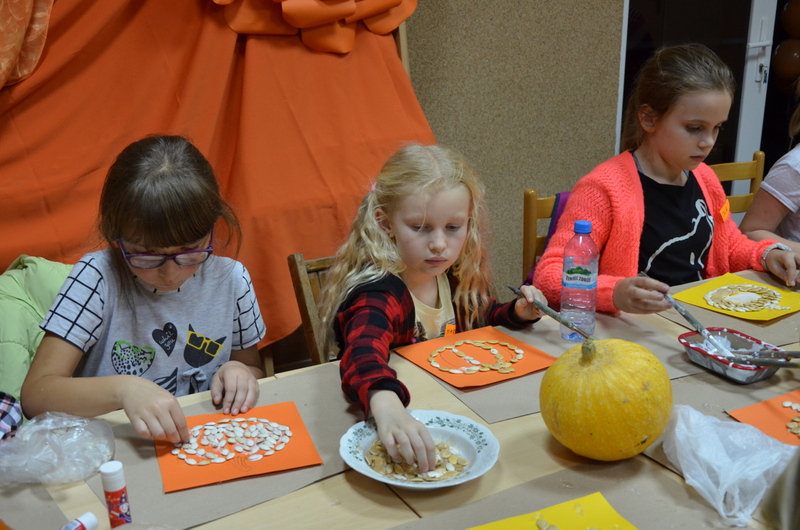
(414, 267)
(155, 315)
(657, 207)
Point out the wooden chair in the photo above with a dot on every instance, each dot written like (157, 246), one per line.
(533, 243)
(752, 171)
(307, 280)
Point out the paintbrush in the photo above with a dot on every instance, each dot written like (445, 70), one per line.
(554, 314)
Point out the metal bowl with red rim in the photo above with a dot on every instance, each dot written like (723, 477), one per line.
(695, 346)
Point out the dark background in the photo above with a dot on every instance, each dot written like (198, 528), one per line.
(722, 26)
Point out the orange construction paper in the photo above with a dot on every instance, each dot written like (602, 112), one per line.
(694, 296)
(177, 475)
(532, 360)
(771, 417)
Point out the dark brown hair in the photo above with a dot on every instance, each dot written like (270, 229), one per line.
(162, 192)
(670, 73)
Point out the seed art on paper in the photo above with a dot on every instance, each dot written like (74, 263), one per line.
(749, 299)
(224, 447)
(476, 358)
(778, 417)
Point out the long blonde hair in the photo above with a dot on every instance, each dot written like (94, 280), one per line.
(369, 253)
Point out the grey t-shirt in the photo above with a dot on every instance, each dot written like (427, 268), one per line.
(177, 339)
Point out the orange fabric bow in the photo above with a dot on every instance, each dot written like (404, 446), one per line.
(323, 25)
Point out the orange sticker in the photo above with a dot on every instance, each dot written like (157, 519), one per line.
(299, 451)
(449, 329)
(462, 367)
(725, 211)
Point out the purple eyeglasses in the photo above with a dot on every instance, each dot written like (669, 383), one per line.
(189, 258)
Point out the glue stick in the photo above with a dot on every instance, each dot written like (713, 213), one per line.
(87, 521)
(113, 477)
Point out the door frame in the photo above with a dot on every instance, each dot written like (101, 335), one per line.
(752, 94)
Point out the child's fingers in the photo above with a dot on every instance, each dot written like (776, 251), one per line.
(425, 450)
(239, 391)
(216, 389)
(394, 448)
(179, 420)
(166, 425)
(141, 428)
(245, 394)
(791, 269)
(169, 425)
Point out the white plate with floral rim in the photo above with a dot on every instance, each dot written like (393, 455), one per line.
(473, 441)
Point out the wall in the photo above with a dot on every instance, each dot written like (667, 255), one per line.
(526, 89)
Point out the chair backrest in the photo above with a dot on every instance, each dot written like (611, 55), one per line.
(533, 243)
(752, 171)
(307, 278)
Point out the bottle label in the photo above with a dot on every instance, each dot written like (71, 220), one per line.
(578, 277)
(119, 509)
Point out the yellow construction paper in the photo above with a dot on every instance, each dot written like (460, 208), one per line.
(695, 296)
(591, 511)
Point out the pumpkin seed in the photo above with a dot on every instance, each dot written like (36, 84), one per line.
(254, 438)
(379, 460)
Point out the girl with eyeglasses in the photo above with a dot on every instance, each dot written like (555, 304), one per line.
(155, 315)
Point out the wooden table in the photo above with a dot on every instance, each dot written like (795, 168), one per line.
(350, 500)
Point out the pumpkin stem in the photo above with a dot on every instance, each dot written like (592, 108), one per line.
(588, 349)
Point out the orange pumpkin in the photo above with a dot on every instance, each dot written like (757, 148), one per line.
(606, 399)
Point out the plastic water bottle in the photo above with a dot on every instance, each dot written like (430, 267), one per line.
(579, 281)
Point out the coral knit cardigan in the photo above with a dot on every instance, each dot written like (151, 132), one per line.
(611, 197)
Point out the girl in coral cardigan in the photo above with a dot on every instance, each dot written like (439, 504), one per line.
(656, 207)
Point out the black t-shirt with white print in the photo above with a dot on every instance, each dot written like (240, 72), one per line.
(677, 232)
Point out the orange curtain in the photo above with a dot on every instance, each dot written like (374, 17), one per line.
(23, 30)
(295, 135)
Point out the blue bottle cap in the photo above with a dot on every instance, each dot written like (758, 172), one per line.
(583, 227)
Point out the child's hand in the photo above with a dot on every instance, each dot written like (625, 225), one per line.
(404, 437)
(235, 386)
(783, 264)
(641, 295)
(153, 412)
(524, 307)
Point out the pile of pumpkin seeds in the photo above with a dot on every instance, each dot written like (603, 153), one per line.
(449, 464)
(794, 425)
(222, 441)
(750, 298)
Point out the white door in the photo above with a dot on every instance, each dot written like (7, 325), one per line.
(753, 93)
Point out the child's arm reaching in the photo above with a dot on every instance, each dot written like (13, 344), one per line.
(234, 385)
(373, 320)
(49, 386)
(404, 437)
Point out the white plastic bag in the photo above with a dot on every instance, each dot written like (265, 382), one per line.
(730, 464)
(56, 448)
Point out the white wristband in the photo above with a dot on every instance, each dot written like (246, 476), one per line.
(779, 246)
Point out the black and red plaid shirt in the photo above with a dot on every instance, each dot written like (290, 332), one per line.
(378, 317)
